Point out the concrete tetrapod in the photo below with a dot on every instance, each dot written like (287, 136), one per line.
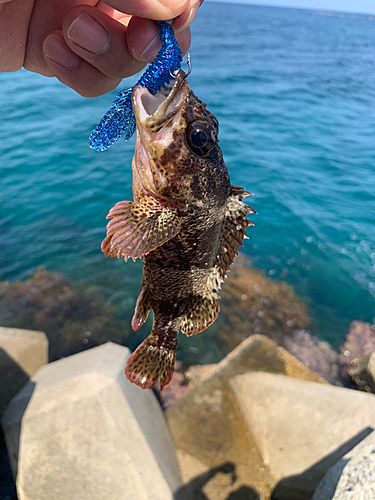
(78, 430)
(352, 477)
(301, 428)
(219, 457)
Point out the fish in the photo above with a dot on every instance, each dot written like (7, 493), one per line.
(186, 222)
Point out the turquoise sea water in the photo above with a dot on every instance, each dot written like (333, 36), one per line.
(294, 92)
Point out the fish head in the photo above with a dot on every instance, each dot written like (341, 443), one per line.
(177, 155)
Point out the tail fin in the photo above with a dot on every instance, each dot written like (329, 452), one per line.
(153, 361)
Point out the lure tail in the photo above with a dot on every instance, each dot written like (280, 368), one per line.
(153, 361)
(119, 120)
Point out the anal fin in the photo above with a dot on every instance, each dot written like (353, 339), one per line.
(137, 229)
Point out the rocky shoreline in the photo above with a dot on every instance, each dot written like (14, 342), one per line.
(268, 421)
(257, 425)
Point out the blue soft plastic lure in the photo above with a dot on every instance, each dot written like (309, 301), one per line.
(119, 120)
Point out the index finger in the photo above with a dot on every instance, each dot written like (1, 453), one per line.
(150, 9)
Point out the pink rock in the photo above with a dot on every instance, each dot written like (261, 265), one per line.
(315, 354)
(360, 342)
(177, 388)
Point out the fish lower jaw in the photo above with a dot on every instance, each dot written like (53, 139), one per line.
(154, 110)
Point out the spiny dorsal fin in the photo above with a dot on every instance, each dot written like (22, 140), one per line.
(233, 233)
(137, 229)
(203, 311)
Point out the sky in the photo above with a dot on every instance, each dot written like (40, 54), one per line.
(360, 6)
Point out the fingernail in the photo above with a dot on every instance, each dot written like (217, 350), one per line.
(88, 34)
(151, 49)
(56, 49)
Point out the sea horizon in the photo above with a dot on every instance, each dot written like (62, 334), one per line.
(313, 9)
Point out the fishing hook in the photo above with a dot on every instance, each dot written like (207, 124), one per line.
(189, 66)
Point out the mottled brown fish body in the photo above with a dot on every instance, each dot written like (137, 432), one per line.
(186, 222)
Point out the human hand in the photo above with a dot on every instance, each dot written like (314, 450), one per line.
(88, 45)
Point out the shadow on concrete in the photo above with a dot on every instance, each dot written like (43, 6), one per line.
(13, 380)
(244, 493)
(194, 489)
(287, 489)
(7, 484)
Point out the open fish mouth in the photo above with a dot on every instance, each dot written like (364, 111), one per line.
(153, 111)
(157, 117)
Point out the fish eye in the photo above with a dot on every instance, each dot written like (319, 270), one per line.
(201, 137)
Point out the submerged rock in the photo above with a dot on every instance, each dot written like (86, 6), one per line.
(80, 431)
(72, 318)
(255, 304)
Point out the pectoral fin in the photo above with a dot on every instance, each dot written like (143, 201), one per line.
(137, 229)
